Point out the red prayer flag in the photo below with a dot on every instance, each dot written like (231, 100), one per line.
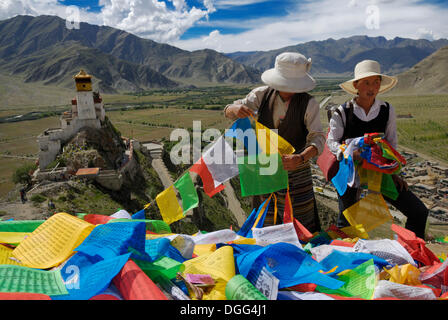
(302, 233)
(104, 297)
(415, 246)
(201, 169)
(134, 284)
(97, 218)
(23, 296)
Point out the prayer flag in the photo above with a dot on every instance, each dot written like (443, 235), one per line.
(187, 191)
(271, 142)
(169, 206)
(258, 176)
(221, 162)
(207, 179)
(243, 131)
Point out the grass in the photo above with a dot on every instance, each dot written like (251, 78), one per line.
(17, 95)
(86, 198)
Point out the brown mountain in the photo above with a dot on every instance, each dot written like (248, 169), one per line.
(428, 76)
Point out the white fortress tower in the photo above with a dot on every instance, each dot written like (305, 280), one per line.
(84, 96)
(87, 111)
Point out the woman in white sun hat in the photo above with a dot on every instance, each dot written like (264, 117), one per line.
(284, 104)
(365, 113)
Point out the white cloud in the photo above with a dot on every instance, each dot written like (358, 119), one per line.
(146, 18)
(234, 3)
(306, 20)
(323, 19)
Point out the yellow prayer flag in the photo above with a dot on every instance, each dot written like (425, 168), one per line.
(5, 255)
(356, 231)
(169, 206)
(53, 241)
(371, 211)
(405, 274)
(220, 265)
(206, 248)
(270, 142)
(156, 236)
(13, 237)
(243, 240)
(374, 179)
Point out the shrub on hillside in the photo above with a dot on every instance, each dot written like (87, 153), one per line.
(23, 174)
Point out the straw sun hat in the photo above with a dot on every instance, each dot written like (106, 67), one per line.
(365, 69)
(290, 73)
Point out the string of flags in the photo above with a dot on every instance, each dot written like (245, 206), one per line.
(260, 170)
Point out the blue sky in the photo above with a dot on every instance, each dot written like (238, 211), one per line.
(248, 25)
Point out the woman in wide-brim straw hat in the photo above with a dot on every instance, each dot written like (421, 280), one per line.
(284, 104)
(365, 113)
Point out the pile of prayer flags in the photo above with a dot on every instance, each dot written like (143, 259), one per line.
(116, 260)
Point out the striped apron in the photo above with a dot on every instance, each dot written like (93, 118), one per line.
(302, 199)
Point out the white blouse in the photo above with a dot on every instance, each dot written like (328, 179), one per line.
(337, 124)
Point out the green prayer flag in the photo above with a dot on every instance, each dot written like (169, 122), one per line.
(262, 174)
(20, 225)
(388, 187)
(23, 279)
(157, 226)
(163, 266)
(359, 282)
(187, 191)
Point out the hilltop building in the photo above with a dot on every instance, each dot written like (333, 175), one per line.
(87, 111)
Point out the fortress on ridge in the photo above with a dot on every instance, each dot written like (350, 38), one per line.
(87, 111)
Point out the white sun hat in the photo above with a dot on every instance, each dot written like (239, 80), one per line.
(365, 69)
(290, 73)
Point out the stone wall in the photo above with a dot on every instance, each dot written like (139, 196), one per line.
(58, 174)
(51, 140)
(110, 179)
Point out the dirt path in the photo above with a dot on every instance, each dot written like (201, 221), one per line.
(162, 172)
(234, 204)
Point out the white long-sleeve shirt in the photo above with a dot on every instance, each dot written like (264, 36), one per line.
(316, 135)
(337, 124)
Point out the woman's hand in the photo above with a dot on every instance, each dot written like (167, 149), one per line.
(399, 183)
(292, 161)
(240, 111)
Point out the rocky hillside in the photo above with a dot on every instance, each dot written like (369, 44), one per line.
(428, 76)
(42, 48)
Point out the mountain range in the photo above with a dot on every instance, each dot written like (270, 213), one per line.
(42, 49)
(339, 57)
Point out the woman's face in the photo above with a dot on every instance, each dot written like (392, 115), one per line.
(368, 88)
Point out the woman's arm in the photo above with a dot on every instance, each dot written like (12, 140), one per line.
(243, 108)
(391, 128)
(336, 133)
(238, 111)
